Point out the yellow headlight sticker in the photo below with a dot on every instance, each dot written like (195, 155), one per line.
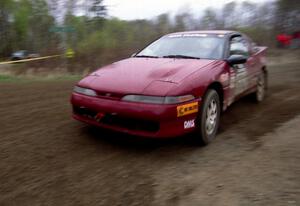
(186, 109)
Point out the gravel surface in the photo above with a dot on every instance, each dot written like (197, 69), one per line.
(47, 158)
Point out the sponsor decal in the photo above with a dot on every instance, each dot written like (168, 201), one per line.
(189, 124)
(194, 35)
(187, 109)
(232, 78)
(224, 77)
(187, 35)
(263, 60)
(241, 80)
(232, 82)
(174, 35)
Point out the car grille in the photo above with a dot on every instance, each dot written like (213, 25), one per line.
(119, 121)
(85, 112)
(109, 95)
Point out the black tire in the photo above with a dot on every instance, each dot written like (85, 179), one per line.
(206, 130)
(15, 59)
(261, 88)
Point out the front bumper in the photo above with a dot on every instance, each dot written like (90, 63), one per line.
(148, 120)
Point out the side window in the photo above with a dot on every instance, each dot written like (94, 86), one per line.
(239, 46)
(25, 53)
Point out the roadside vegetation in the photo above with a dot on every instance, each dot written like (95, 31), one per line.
(52, 26)
(4, 78)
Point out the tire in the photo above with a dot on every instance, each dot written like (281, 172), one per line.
(261, 88)
(15, 59)
(208, 119)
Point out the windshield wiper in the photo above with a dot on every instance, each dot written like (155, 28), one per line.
(180, 56)
(146, 56)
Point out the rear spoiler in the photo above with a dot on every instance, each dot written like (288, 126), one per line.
(260, 49)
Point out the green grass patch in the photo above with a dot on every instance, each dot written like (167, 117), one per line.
(8, 78)
(62, 77)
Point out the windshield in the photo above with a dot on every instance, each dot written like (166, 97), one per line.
(187, 45)
(21, 52)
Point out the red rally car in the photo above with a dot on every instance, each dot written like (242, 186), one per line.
(178, 84)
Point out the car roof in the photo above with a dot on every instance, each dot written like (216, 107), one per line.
(221, 32)
(21, 51)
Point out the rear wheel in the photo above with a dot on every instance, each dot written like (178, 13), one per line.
(208, 118)
(261, 87)
(15, 59)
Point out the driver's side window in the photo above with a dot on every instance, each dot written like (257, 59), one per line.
(239, 46)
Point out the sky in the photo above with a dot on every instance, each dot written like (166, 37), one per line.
(147, 9)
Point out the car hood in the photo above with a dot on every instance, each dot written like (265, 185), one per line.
(143, 75)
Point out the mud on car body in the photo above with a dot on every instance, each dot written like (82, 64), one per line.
(178, 84)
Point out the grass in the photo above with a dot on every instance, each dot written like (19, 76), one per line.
(8, 78)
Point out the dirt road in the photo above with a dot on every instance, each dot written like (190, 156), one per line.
(46, 158)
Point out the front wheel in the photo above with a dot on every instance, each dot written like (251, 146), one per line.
(208, 118)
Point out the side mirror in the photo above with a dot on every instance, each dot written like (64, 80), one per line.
(133, 55)
(237, 59)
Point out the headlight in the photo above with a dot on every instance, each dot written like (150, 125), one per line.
(179, 99)
(88, 92)
(157, 99)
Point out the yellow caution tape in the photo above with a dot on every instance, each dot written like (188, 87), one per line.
(70, 53)
(32, 59)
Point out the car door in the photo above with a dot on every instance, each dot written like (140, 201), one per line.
(239, 74)
(253, 64)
